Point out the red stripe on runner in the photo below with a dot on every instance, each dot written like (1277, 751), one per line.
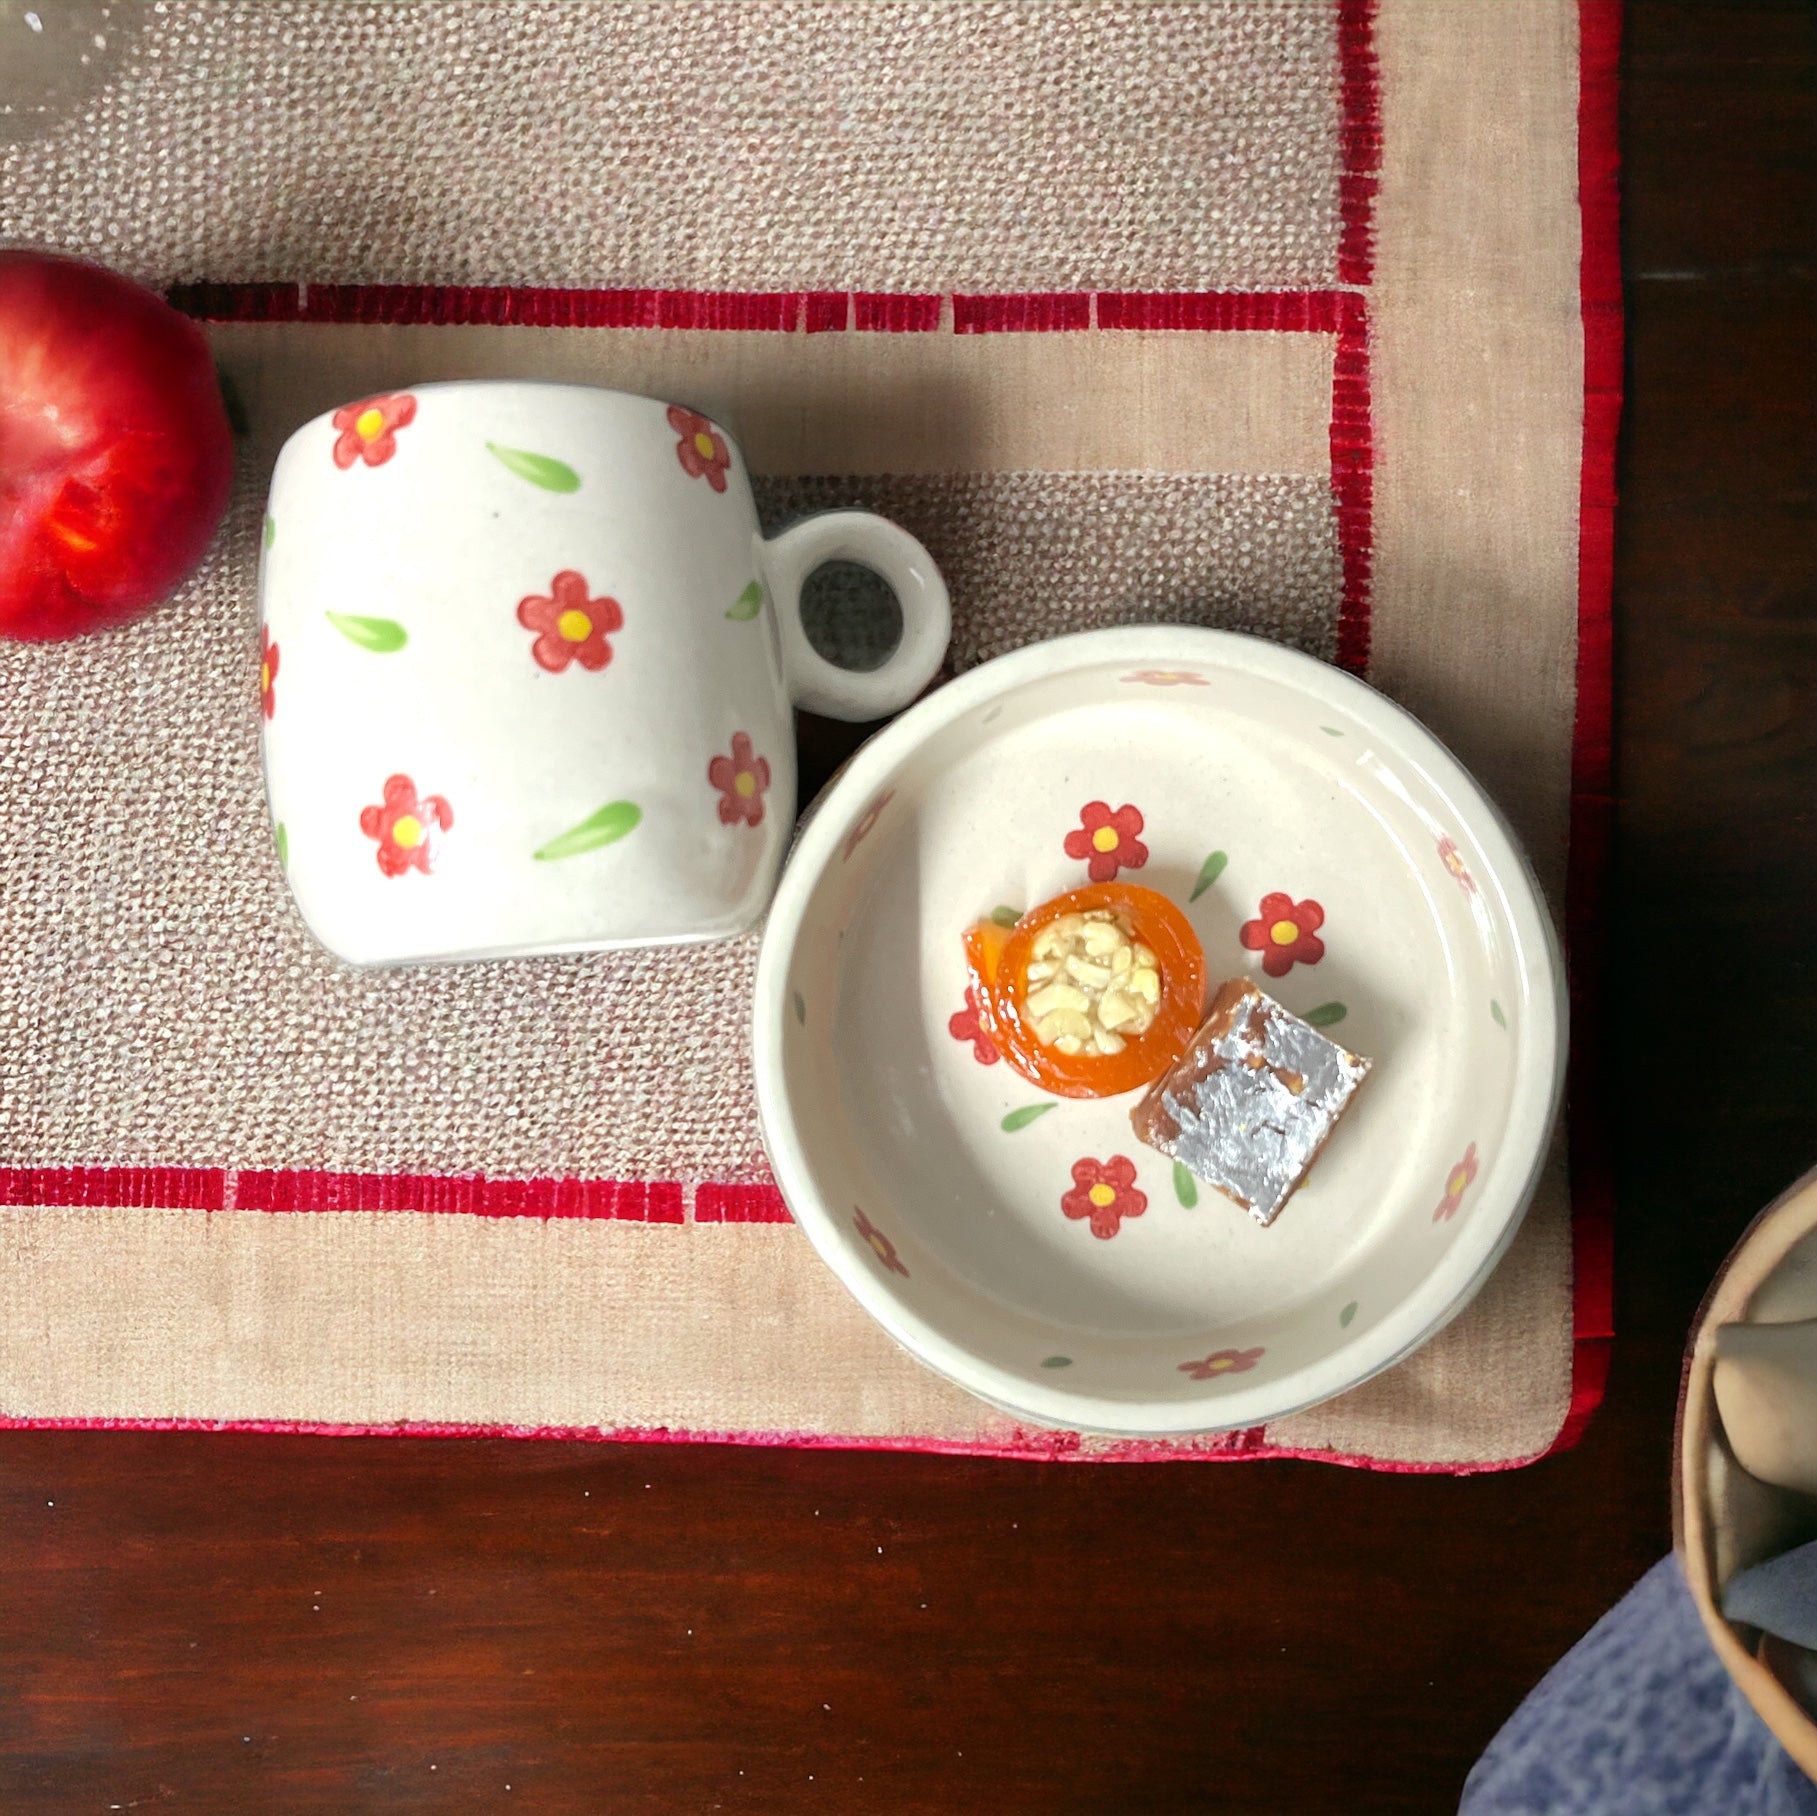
(1360, 139)
(880, 312)
(1029, 312)
(1353, 478)
(739, 1204)
(161, 1188)
(1223, 311)
(1592, 766)
(469, 1195)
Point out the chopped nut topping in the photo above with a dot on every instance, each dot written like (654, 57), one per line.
(1090, 987)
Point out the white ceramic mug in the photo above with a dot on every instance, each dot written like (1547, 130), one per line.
(527, 671)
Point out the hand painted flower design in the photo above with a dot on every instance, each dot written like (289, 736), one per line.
(407, 828)
(701, 448)
(966, 1025)
(881, 1246)
(570, 626)
(1286, 933)
(741, 780)
(862, 830)
(268, 673)
(1108, 839)
(1224, 1362)
(1104, 1191)
(1453, 860)
(1167, 677)
(1456, 1185)
(369, 428)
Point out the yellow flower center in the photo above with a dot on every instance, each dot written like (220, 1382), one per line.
(370, 424)
(1106, 838)
(264, 677)
(577, 627)
(1284, 933)
(746, 785)
(1455, 862)
(1454, 1186)
(1218, 1364)
(408, 832)
(1102, 1195)
(878, 1249)
(703, 445)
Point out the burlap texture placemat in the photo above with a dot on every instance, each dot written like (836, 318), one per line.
(249, 1186)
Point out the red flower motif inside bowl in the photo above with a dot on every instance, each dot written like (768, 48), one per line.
(967, 1026)
(1108, 839)
(862, 830)
(268, 673)
(701, 449)
(1104, 1191)
(368, 429)
(1167, 677)
(570, 627)
(1285, 933)
(407, 827)
(881, 1246)
(741, 780)
(1453, 860)
(1224, 1362)
(1456, 1184)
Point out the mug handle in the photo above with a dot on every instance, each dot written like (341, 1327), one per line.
(927, 622)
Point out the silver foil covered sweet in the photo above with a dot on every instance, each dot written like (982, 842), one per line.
(1251, 1101)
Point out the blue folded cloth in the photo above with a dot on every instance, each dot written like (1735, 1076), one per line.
(1638, 1719)
(1779, 1596)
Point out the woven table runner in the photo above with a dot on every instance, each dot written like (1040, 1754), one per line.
(1291, 318)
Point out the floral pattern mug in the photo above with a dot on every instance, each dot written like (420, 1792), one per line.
(527, 670)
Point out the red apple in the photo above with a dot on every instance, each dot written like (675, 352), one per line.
(115, 453)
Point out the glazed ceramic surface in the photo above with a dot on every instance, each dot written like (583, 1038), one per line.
(528, 669)
(1320, 840)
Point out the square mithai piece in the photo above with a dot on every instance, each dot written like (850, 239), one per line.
(1251, 1101)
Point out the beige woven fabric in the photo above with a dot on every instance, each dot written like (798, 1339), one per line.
(159, 1003)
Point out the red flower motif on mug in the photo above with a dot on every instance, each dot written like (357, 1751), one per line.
(966, 1025)
(881, 1246)
(741, 780)
(369, 428)
(1453, 860)
(268, 673)
(1286, 934)
(1223, 1362)
(573, 627)
(701, 450)
(1167, 677)
(1105, 1191)
(1456, 1184)
(407, 828)
(867, 820)
(1108, 839)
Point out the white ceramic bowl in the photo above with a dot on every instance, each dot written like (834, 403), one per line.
(918, 1174)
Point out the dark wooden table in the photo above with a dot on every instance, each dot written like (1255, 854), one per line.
(243, 1624)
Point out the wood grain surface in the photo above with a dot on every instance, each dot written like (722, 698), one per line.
(243, 1624)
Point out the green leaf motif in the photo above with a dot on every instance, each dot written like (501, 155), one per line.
(1020, 1119)
(1006, 917)
(1326, 1015)
(801, 1009)
(748, 604)
(607, 827)
(1331, 731)
(271, 531)
(1185, 1187)
(1058, 1362)
(1209, 872)
(281, 839)
(383, 636)
(1495, 1009)
(1347, 1314)
(539, 469)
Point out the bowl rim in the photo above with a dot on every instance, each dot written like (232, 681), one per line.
(1536, 1095)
